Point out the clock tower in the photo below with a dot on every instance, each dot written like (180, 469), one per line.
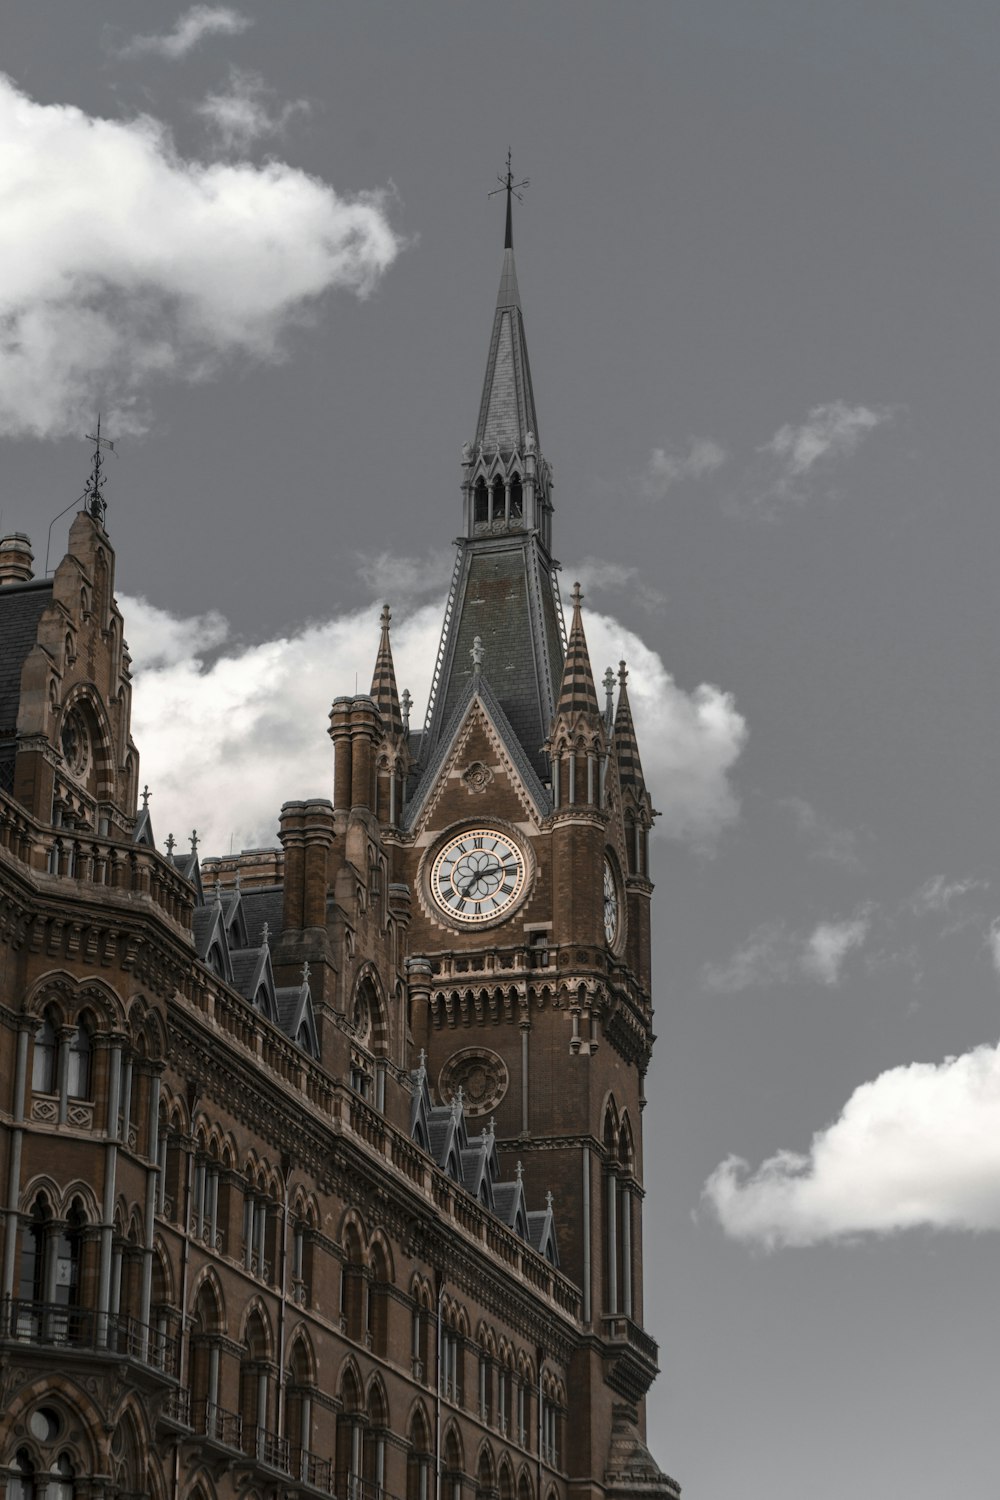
(519, 820)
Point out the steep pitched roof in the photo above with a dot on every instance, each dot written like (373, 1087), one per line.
(384, 681)
(507, 404)
(577, 693)
(478, 687)
(626, 744)
(21, 608)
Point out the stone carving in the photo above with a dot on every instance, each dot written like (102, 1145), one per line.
(479, 1074)
(477, 776)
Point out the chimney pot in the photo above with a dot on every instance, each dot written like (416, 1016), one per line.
(16, 558)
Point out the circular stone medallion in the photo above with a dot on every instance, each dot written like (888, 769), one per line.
(480, 1074)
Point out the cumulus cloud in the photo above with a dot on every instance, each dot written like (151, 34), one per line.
(261, 712)
(917, 1146)
(825, 839)
(598, 575)
(192, 27)
(184, 265)
(244, 112)
(799, 456)
(774, 954)
(665, 469)
(939, 895)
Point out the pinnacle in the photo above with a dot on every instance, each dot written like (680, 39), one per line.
(626, 744)
(384, 691)
(577, 694)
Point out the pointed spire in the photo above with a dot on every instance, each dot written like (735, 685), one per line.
(626, 744)
(507, 407)
(577, 695)
(384, 680)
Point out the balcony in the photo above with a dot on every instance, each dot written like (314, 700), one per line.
(54, 1325)
(262, 1447)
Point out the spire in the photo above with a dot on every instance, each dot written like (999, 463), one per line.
(384, 680)
(626, 744)
(507, 405)
(577, 694)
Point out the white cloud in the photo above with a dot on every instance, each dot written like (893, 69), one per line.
(918, 1146)
(829, 944)
(832, 430)
(124, 263)
(774, 954)
(826, 840)
(401, 579)
(242, 112)
(192, 27)
(939, 895)
(792, 462)
(601, 575)
(664, 469)
(261, 713)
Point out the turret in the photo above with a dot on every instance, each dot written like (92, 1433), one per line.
(392, 751)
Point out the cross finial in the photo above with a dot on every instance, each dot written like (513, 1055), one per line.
(548, 1201)
(146, 794)
(477, 655)
(218, 889)
(194, 841)
(491, 1126)
(405, 702)
(513, 190)
(305, 972)
(170, 843)
(385, 617)
(94, 494)
(265, 935)
(422, 1061)
(519, 1170)
(577, 596)
(622, 673)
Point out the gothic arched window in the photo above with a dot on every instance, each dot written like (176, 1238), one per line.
(78, 1063)
(21, 1484)
(481, 513)
(516, 501)
(44, 1065)
(498, 499)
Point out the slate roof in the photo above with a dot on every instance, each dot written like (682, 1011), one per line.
(263, 904)
(626, 744)
(577, 694)
(484, 691)
(507, 404)
(21, 608)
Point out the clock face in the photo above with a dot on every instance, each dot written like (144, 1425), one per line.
(610, 903)
(478, 875)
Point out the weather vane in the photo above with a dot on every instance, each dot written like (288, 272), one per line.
(94, 495)
(513, 190)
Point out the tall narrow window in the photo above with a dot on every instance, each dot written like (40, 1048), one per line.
(21, 1484)
(516, 502)
(61, 1484)
(498, 499)
(43, 1066)
(78, 1064)
(482, 504)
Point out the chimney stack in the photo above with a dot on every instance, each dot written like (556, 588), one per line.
(16, 558)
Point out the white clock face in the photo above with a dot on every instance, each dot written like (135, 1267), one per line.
(610, 903)
(478, 875)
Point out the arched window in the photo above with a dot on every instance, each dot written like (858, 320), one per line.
(298, 1406)
(498, 499)
(418, 1464)
(203, 1360)
(32, 1284)
(352, 1286)
(453, 1466)
(21, 1484)
(62, 1475)
(378, 1301)
(482, 503)
(69, 1325)
(348, 1450)
(516, 501)
(506, 1481)
(78, 1063)
(374, 1443)
(485, 1484)
(44, 1063)
(255, 1385)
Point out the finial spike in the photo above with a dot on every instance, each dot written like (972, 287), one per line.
(194, 841)
(146, 794)
(477, 656)
(513, 190)
(306, 971)
(170, 843)
(520, 1172)
(405, 703)
(265, 936)
(549, 1200)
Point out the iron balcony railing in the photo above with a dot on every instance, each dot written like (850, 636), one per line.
(53, 1323)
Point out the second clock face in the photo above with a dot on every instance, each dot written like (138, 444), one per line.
(478, 875)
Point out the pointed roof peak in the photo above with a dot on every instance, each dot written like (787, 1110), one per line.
(507, 405)
(577, 694)
(626, 744)
(384, 693)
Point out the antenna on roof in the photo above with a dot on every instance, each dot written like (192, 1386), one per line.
(513, 190)
(96, 503)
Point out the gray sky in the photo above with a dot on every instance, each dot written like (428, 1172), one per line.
(757, 261)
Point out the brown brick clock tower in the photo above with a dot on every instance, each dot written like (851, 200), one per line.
(523, 839)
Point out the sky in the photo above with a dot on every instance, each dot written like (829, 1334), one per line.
(757, 260)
